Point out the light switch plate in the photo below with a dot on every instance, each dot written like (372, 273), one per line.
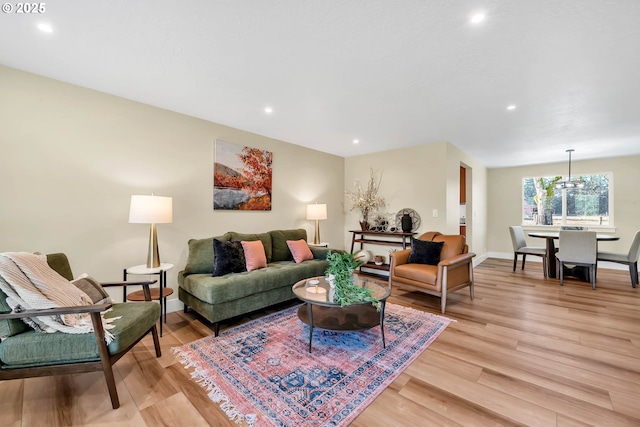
(435, 213)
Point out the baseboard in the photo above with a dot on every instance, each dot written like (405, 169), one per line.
(174, 305)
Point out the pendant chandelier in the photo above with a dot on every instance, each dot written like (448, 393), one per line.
(569, 184)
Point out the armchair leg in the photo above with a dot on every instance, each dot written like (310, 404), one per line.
(156, 340)
(105, 358)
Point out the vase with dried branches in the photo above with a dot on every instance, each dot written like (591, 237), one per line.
(366, 199)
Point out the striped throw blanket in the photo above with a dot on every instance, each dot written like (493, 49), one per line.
(30, 283)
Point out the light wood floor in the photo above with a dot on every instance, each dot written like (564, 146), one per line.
(524, 352)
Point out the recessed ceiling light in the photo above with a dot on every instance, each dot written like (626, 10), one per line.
(355, 141)
(268, 110)
(477, 18)
(46, 28)
(511, 107)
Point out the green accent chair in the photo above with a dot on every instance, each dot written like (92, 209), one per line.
(26, 353)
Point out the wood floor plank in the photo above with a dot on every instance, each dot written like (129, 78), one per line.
(175, 410)
(11, 398)
(525, 351)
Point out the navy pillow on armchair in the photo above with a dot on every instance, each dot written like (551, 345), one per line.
(228, 257)
(425, 252)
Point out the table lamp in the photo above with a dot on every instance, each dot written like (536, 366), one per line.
(151, 210)
(317, 212)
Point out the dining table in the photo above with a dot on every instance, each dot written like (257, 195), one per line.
(552, 236)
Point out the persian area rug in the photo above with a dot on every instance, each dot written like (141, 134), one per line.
(262, 372)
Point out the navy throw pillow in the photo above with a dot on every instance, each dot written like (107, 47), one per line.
(425, 252)
(228, 257)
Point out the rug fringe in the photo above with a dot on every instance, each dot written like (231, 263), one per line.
(213, 392)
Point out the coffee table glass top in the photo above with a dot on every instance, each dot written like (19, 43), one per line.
(316, 290)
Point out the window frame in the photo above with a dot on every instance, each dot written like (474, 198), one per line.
(611, 186)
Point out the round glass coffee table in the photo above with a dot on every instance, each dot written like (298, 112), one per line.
(320, 310)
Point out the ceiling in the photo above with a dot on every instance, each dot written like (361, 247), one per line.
(388, 73)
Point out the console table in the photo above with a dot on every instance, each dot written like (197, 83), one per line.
(386, 238)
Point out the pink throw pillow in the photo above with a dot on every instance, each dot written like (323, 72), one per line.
(300, 250)
(254, 255)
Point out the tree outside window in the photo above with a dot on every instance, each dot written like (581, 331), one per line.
(543, 204)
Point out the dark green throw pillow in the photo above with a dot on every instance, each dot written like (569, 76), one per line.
(228, 258)
(425, 252)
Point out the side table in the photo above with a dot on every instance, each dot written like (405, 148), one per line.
(155, 293)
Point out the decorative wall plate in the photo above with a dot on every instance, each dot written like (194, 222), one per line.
(415, 219)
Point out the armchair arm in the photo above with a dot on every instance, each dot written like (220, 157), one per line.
(457, 260)
(56, 311)
(145, 287)
(399, 258)
(110, 284)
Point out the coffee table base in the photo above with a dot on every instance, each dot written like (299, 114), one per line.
(350, 318)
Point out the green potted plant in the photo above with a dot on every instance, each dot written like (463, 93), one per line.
(342, 265)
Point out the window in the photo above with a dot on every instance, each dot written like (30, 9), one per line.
(544, 204)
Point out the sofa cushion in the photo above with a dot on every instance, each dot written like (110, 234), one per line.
(9, 327)
(279, 239)
(33, 348)
(425, 252)
(228, 257)
(300, 250)
(201, 255)
(216, 290)
(254, 255)
(265, 238)
(93, 289)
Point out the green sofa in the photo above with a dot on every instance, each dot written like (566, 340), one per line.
(234, 294)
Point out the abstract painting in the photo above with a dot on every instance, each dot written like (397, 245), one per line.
(241, 178)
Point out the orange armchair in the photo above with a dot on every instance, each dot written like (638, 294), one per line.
(453, 272)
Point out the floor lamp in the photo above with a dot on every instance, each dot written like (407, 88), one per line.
(317, 212)
(151, 210)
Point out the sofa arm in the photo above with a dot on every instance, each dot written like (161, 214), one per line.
(319, 253)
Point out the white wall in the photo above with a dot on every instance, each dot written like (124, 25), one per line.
(505, 198)
(423, 178)
(72, 157)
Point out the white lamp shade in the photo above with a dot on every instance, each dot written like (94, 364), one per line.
(317, 211)
(151, 210)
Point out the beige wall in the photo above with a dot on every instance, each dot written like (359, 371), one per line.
(505, 198)
(72, 157)
(423, 178)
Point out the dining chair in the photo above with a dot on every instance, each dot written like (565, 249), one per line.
(630, 258)
(520, 248)
(578, 248)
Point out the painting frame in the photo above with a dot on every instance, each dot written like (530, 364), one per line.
(242, 177)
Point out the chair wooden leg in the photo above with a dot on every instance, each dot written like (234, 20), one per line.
(561, 273)
(633, 272)
(515, 261)
(592, 270)
(524, 258)
(156, 340)
(105, 358)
